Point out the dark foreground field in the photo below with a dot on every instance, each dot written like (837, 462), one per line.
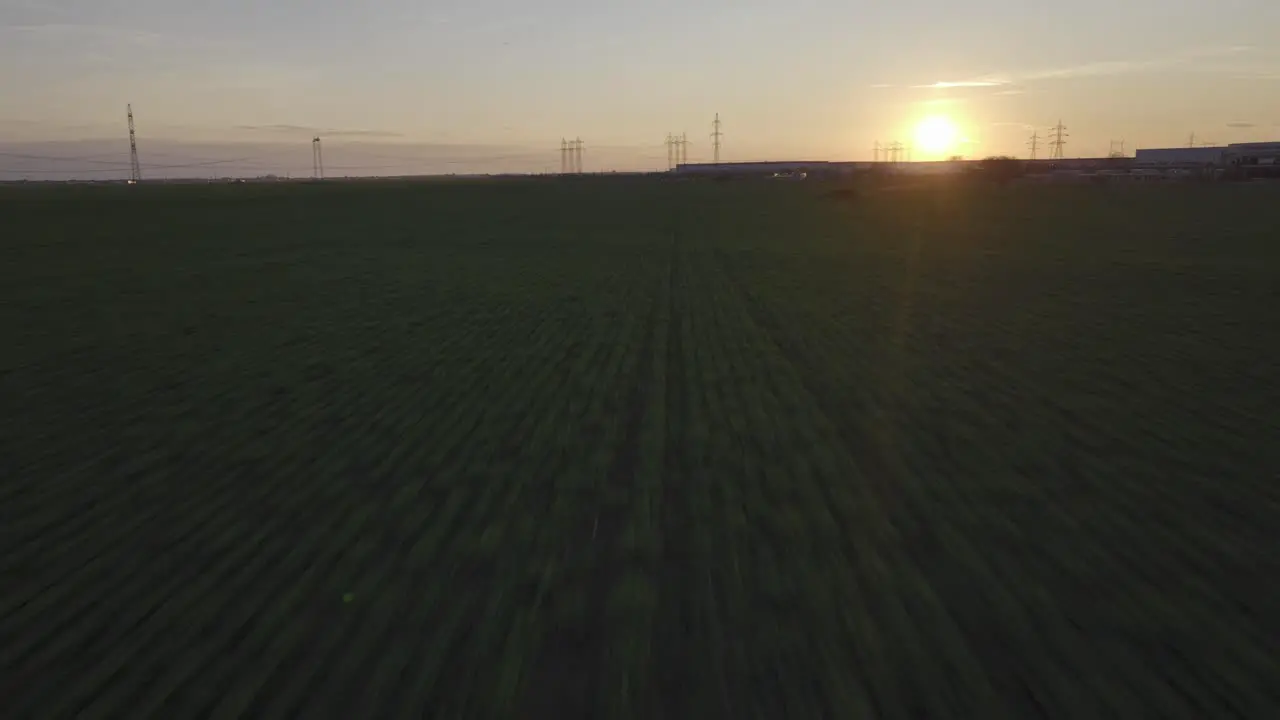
(639, 449)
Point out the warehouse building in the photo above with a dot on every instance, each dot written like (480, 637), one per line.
(1187, 156)
(765, 168)
(1257, 153)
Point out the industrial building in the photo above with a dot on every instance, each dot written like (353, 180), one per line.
(771, 167)
(1235, 154)
(1238, 160)
(1182, 156)
(826, 168)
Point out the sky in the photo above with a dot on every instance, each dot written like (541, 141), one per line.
(239, 87)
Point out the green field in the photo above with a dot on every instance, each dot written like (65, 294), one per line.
(639, 449)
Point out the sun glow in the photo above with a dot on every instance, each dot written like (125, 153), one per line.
(937, 135)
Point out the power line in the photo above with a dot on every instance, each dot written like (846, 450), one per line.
(122, 167)
(260, 162)
(89, 160)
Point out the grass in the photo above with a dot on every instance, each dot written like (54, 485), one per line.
(639, 449)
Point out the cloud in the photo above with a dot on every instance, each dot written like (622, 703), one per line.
(943, 84)
(881, 86)
(1025, 126)
(1194, 57)
(280, 128)
(1240, 124)
(1011, 91)
(1096, 69)
(77, 32)
(21, 12)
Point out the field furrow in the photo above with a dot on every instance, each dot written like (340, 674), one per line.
(618, 447)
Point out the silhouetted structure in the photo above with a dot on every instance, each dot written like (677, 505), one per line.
(317, 159)
(715, 139)
(1059, 140)
(135, 170)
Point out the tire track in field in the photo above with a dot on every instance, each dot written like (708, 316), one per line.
(611, 519)
(573, 676)
(439, 661)
(869, 450)
(675, 612)
(940, 558)
(896, 681)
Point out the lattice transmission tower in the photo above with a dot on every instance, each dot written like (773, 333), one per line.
(715, 139)
(1059, 135)
(317, 159)
(135, 170)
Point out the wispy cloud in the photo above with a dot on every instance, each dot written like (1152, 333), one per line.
(881, 86)
(333, 132)
(943, 84)
(1096, 69)
(19, 12)
(1239, 124)
(1011, 91)
(1192, 59)
(72, 32)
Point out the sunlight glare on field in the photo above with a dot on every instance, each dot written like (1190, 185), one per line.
(936, 135)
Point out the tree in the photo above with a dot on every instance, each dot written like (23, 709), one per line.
(1001, 168)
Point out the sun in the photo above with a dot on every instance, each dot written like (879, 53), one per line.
(936, 135)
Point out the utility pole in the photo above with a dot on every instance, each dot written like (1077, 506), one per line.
(671, 151)
(715, 139)
(684, 149)
(135, 170)
(1034, 144)
(317, 159)
(564, 156)
(576, 147)
(1059, 139)
(1191, 141)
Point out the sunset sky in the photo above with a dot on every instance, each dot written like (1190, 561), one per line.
(492, 85)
